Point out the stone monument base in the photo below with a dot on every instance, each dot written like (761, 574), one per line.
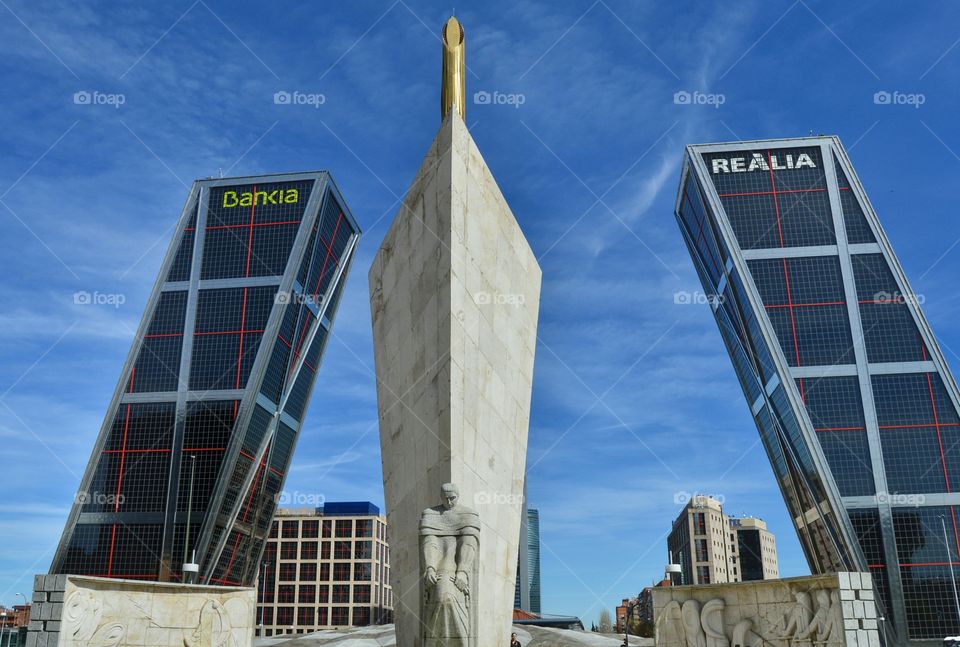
(75, 611)
(836, 610)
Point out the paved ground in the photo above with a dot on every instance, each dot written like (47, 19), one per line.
(383, 637)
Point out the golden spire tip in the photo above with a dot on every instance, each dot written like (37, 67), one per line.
(453, 88)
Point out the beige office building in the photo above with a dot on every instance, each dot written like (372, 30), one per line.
(712, 547)
(325, 568)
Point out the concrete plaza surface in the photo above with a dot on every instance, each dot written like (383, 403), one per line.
(383, 636)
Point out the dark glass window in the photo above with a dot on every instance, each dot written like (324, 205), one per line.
(361, 594)
(341, 572)
(364, 528)
(836, 411)
(341, 593)
(306, 616)
(307, 593)
(361, 616)
(308, 550)
(805, 303)
(858, 231)
(362, 572)
(288, 550)
(285, 616)
(288, 572)
(363, 550)
(285, 592)
(308, 572)
(341, 550)
(889, 331)
(310, 529)
(344, 528)
(340, 616)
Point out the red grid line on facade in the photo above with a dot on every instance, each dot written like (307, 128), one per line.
(272, 469)
(329, 253)
(296, 353)
(243, 321)
(786, 274)
(775, 306)
(793, 323)
(117, 498)
(246, 512)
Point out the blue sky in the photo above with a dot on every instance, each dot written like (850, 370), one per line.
(634, 397)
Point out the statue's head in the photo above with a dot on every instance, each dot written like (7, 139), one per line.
(450, 495)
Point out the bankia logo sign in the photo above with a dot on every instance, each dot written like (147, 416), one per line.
(761, 162)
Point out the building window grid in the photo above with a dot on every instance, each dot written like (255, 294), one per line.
(350, 596)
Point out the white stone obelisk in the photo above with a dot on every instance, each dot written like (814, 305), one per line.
(454, 295)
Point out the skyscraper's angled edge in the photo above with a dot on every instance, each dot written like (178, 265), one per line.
(855, 404)
(215, 386)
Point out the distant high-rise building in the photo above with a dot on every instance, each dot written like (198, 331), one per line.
(199, 435)
(706, 543)
(527, 592)
(325, 568)
(757, 549)
(853, 399)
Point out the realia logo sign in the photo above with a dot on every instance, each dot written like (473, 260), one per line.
(761, 162)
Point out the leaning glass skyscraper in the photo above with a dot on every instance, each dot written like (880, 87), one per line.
(202, 425)
(854, 402)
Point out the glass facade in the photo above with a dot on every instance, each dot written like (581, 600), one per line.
(853, 400)
(202, 426)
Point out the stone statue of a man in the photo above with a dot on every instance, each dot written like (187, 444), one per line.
(449, 541)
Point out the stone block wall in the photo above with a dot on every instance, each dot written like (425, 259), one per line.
(75, 611)
(835, 610)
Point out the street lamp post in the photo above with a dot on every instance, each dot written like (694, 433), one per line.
(953, 580)
(3, 624)
(263, 595)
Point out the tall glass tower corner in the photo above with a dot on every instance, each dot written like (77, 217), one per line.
(200, 432)
(854, 402)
